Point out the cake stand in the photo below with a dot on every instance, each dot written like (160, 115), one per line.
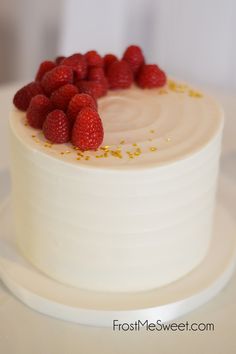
(100, 309)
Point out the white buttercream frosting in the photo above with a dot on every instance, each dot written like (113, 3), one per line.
(134, 220)
(165, 127)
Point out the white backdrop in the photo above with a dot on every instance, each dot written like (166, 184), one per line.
(190, 39)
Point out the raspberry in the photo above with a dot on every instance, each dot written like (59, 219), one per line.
(56, 127)
(39, 108)
(57, 77)
(87, 133)
(93, 58)
(78, 102)
(62, 96)
(151, 76)
(44, 67)
(23, 96)
(134, 57)
(108, 59)
(78, 63)
(94, 88)
(119, 75)
(59, 59)
(96, 74)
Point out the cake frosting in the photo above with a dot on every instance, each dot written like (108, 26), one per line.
(137, 213)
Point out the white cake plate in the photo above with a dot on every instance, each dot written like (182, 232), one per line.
(100, 309)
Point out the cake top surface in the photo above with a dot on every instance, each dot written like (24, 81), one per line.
(142, 128)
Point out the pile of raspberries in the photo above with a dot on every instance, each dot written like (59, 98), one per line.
(62, 100)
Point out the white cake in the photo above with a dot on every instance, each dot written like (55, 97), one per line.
(133, 216)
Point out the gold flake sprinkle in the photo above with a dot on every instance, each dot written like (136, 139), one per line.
(26, 124)
(168, 139)
(47, 145)
(122, 142)
(104, 148)
(87, 158)
(153, 148)
(134, 144)
(62, 153)
(193, 93)
(33, 136)
(149, 139)
(116, 153)
(67, 152)
(152, 131)
(162, 92)
(78, 158)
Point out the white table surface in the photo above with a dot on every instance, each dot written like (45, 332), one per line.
(24, 331)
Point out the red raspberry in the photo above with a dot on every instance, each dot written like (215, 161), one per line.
(94, 88)
(108, 59)
(93, 58)
(62, 96)
(44, 67)
(96, 74)
(78, 63)
(87, 133)
(39, 108)
(57, 77)
(78, 102)
(59, 59)
(56, 127)
(119, 75)
(134, 57)
(151, 76)
(23, 96)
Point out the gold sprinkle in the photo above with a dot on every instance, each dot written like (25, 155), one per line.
(75, 148)
(134, 144)
(62, 153)
(162, 92)
(149, 139)
(193, 93)
(33, 136)
(67, 152)
(152, 148)
(122, 142)
(152, 131)
(26, 124)
(168, 139)
(116, 153)
(131, 157)
(87, 158)
(78, 158)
